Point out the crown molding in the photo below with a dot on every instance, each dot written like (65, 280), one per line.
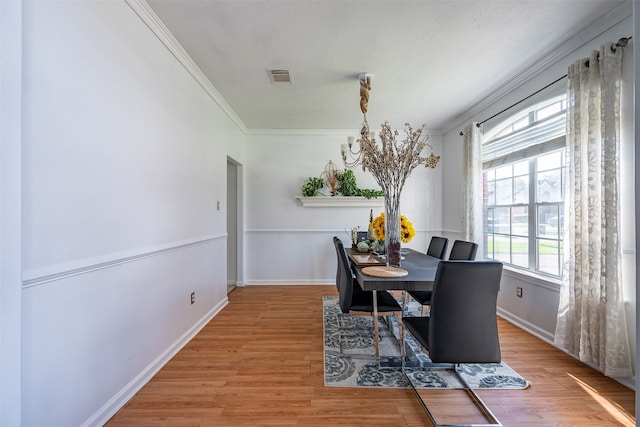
(151, 20)
(588, 33)
(534, 68)
(320, 132)
(304, 132)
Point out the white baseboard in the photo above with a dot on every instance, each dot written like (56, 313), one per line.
(114, 404)
(291, 282)
(549, 339)
(534, 330)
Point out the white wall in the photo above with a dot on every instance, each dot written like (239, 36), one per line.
(125, 151)
(289, 243)
(124, 160)
(537, 310)
(636, 36)
(10, 211)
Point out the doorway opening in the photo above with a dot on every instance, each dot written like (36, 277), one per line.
(234, 224)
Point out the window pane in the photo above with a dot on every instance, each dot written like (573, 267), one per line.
(490, 245)
(490, 220)
(521, 168)
(520, 220)
(522, 123)
(504, 172)
(549, 257)
(549, 221)
(549, 186)
(491, 193)
(501, 221)
(520, 251)
(491, 174)
(521, 189)
(503, 132)
(501, 248)
(545, 112)
(504, 192)
(549, 161)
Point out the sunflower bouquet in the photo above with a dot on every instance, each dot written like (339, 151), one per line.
(407, 232)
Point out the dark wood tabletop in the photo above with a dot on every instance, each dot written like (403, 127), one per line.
(421, 270)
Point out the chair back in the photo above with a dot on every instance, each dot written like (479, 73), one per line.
(463, 327)
(463, 251)
(438, 247)
(336, 239)
(344, 277)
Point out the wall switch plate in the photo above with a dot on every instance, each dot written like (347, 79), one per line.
(519, 292)
(193, 297)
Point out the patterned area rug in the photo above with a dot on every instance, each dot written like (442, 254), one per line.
(349, 357)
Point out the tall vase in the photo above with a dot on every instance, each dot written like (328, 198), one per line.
(392, 228)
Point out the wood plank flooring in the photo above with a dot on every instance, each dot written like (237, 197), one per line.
(260, 363)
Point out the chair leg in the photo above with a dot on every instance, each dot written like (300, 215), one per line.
(479, 403)
(405, 301)
(375, 323)
(401, 332)
(376, 336)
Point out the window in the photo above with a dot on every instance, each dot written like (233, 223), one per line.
(523, 164)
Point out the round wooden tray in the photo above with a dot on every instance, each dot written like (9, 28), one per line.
(384, 271)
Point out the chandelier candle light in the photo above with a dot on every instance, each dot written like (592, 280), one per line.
(390, 162)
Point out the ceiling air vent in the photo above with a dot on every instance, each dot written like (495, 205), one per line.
(280, 76)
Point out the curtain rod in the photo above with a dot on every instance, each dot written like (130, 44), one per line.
(522, 100)
(621, 43)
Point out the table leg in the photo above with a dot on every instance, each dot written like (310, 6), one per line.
(375, 323)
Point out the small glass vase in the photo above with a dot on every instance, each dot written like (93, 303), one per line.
(392, 229)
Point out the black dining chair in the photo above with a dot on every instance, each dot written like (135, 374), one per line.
(353, 300)
(339, 270)
(463, 250)
(437, 249)
(462, 327)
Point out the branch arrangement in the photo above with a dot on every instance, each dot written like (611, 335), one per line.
(391, 162)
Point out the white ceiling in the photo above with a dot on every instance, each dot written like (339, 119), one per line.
(430, 60)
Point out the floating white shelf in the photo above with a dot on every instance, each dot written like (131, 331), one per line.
(339, 201)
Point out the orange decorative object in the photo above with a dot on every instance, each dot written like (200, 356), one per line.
(331, 176)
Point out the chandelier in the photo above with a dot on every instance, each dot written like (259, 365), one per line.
(392, 153)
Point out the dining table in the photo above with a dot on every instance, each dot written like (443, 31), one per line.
(420, 273)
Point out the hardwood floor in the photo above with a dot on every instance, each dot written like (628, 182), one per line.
(260, 363)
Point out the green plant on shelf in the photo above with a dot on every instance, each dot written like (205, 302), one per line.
(348, 186)
(312, 187)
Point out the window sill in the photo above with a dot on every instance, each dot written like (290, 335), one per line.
(339, 201)
(533, 278)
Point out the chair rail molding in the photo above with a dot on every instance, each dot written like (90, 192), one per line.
(61, 271)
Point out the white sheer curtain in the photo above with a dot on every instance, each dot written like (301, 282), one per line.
(591, 320)
(472, 187)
